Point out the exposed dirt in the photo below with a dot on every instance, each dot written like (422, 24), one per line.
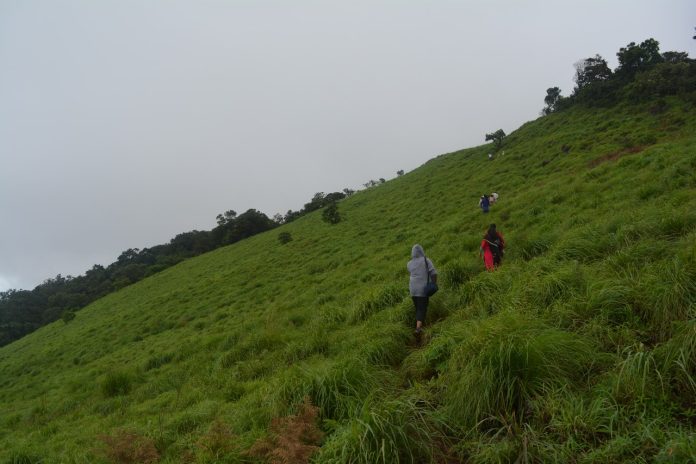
(614, 155)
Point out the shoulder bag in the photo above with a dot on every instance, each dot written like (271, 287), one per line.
(430, 287)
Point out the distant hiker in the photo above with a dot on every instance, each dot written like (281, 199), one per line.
(484, 203)
(422, 273)
(492, 248)
(490, 157)
(493, 198)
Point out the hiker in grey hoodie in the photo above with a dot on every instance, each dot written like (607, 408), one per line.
(419, 267)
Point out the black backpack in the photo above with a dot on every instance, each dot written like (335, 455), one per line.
(497, 248)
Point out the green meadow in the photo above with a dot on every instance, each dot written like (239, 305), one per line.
(580, 348)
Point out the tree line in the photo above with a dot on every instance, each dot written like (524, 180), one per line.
(23, 311)
(643, 74)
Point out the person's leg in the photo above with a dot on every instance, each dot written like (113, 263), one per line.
(421, 304)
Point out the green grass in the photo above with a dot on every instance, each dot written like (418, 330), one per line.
(581, 348)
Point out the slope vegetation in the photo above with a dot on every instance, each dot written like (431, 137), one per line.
(581, 348)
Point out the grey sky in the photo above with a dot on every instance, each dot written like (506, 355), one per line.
(123, 123)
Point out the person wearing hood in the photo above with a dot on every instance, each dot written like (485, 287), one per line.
(422, 270)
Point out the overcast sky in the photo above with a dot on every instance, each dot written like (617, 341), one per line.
(124, 123)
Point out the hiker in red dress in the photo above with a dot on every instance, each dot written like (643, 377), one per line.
(492, 247)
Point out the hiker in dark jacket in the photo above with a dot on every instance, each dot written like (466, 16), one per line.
(492, 247)
(420, 268)
(484, 203)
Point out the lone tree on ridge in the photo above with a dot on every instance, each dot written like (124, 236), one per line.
(497, 138)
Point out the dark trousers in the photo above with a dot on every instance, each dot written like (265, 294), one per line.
(421, 304)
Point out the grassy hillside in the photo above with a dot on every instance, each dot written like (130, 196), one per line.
(581, 348)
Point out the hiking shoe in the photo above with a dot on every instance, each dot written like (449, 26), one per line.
(418, 331)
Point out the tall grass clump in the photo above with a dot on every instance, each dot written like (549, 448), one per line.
(614, 300)
(445, 341)
(376, 300)
(158, 361)
(529, 248)
(586, 244)
(314, 343)
(501, 449)
(638, 378)
(385, 344)
(674, 226)
(552, 282)
(584, 419)
(401, 430)
(667, 295)
(21, 457)
(337, 388)
(487, 290)
(681, 447)
(460, 271)
(507, 361)
(116, 383)
(678, 362)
